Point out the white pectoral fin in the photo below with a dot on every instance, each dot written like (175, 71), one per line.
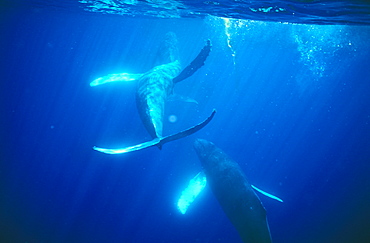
(194, 188)
(151, 143)
(266, 194)
(116, 77)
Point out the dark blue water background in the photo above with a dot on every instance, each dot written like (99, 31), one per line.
(292, 109)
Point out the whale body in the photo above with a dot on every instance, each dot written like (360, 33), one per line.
(234, 193)
(153, 89)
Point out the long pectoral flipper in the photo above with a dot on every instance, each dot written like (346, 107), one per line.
(196, 186)
(158, 141)
(116, 77)
(267, 194)
(197, 63)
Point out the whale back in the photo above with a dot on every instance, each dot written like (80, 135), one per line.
(234, 193)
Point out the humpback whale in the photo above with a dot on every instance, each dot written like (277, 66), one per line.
(234, 193)
(154, 88)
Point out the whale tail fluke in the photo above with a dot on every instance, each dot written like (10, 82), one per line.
(152, 143)
(188, 131)
(158, 141)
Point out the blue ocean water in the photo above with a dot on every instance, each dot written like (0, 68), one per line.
(292, 106)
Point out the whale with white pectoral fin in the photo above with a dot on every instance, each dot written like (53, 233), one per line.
(153, 90)
(232, 190)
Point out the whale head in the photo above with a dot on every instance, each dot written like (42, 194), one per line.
(201, 146)
(206, 151)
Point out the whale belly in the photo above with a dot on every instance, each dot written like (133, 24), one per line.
(153, 90)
